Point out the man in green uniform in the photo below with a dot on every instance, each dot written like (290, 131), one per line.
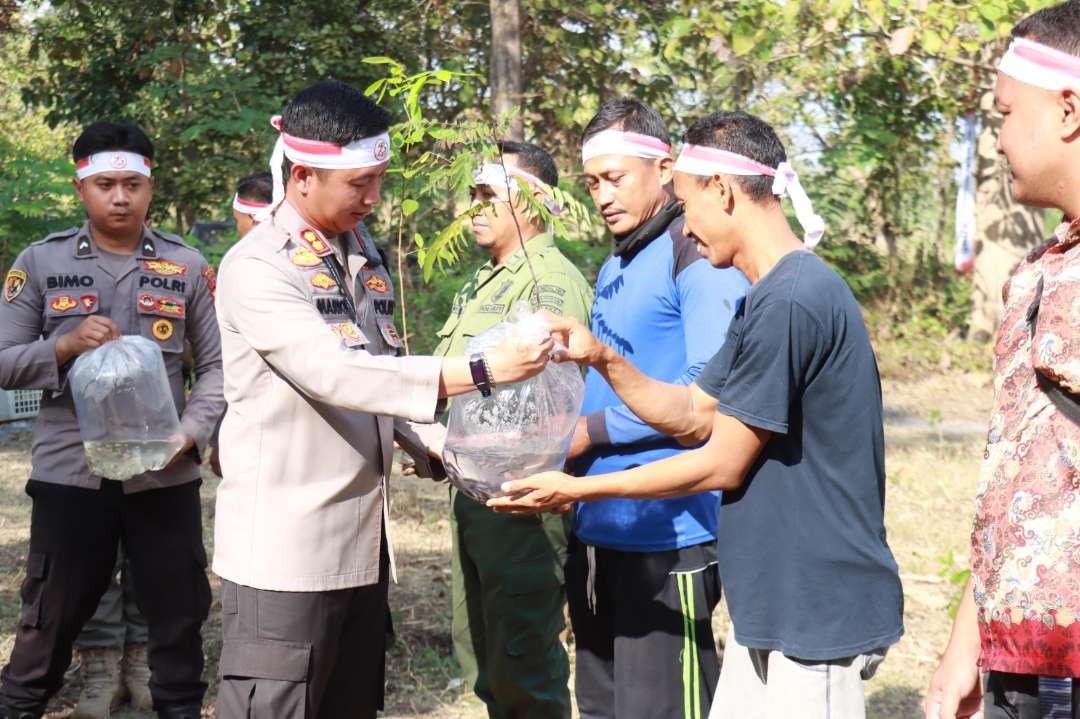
(508, 590)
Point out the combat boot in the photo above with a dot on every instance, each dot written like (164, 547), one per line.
(136, 676)
(102, 693)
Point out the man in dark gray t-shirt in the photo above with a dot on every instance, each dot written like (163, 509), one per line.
(791, 407)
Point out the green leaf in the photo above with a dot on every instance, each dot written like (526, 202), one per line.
(742, 44)
(931, 42)
(409, 206)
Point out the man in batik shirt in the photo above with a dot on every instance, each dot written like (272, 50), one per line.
(1019, 621)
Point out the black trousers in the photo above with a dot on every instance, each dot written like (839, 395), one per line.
(74, 533)
(1016, 696)
(647, 649)
(304, 655)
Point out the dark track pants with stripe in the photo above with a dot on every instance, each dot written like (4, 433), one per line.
(646, 649)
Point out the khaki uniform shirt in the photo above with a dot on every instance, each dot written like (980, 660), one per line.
(491, 293)
(307, 440)
(163, 292)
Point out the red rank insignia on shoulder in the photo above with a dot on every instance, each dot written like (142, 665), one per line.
(315, 242)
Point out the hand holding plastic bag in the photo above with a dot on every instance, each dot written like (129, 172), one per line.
(522, 428)
(125, 408)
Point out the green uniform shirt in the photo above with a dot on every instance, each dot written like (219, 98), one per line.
(490, 294)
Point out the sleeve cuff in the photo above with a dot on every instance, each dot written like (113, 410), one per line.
(753, 420)
(423, 405)
(596, 424)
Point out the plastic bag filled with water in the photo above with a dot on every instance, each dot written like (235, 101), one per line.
(125, 408)
(522, 428)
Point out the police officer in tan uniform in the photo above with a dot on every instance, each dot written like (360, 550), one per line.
(66, 295)
(316, 391)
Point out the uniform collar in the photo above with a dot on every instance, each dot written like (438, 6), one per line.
(517, 260)
(86, 248)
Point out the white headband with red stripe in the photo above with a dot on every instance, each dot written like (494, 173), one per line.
(112, 161)
(709, 161)
(248, 207)
(630, 144)
(1035, 64)
(366, 152)
(494, 174)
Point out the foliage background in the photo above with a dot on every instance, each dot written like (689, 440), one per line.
(866, 95)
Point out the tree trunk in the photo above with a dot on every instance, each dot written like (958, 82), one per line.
(1005, 231)
(506, 83)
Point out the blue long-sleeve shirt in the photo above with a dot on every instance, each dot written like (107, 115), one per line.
(667, 311)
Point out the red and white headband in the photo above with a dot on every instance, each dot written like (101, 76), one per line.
(248, 207)
(709, 161)
(630, 144)
(112, 161)
(1035, 64)
(494, 174)
(365, 152)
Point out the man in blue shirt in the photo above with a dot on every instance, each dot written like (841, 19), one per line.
(791, 407)
(641, 573)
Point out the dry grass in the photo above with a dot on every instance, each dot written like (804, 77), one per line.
(931, 483)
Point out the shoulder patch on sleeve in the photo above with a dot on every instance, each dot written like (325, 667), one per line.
(14, 284)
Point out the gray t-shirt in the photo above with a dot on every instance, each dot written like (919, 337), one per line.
(801, 545)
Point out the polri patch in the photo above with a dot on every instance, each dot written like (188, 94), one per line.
(14, 284)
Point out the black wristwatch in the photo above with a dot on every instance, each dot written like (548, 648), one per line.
(481, 374)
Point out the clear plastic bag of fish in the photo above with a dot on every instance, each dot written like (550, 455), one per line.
(522, 428)
(127, 417)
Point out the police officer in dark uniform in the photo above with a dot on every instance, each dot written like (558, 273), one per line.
(66, 295)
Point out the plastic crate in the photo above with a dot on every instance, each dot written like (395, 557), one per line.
(19, 404)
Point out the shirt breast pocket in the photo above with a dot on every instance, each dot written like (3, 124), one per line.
(161, 319)
(65, 309)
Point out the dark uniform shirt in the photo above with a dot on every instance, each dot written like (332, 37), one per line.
(164, 292)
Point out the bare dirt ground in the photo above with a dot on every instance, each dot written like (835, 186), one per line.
(934, 433)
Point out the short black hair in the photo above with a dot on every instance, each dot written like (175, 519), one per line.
(631, 116)
(744, 135)
(101, 136)
(257, 188)
(1058, 27)
(531, 158)
(332, 111)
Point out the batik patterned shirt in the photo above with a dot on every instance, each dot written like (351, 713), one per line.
(1026, 538)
